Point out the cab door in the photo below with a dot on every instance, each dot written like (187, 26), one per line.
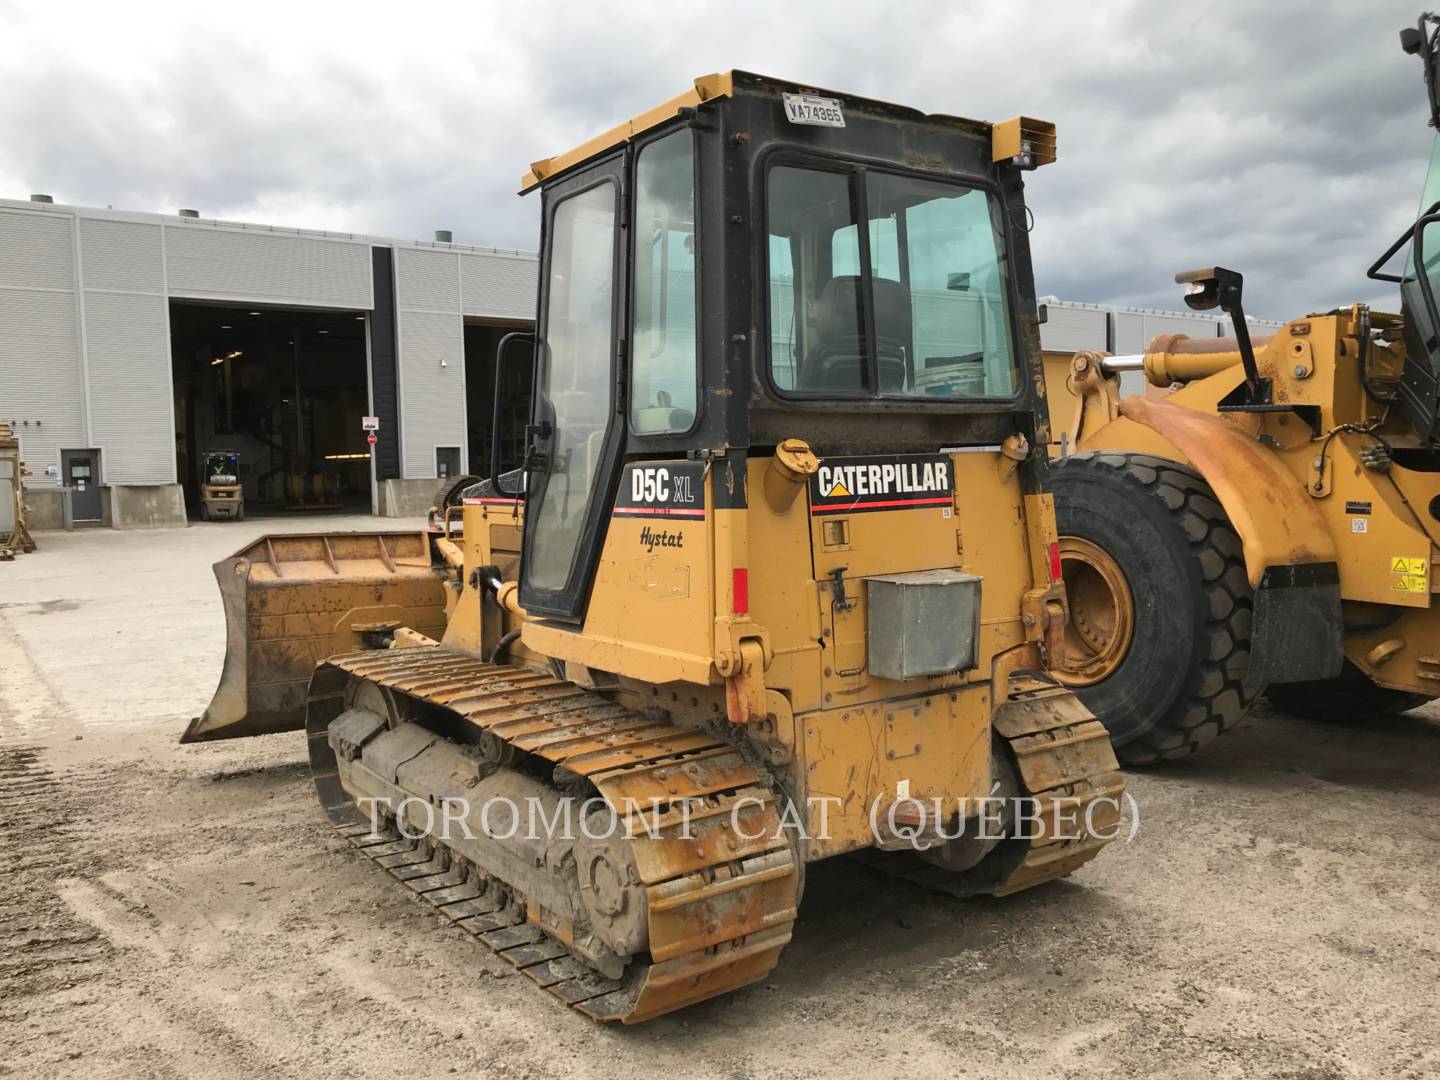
(577, 431)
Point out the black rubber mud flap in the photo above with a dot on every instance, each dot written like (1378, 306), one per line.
(1297, 632)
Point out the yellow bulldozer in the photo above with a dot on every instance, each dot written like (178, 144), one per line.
(14, 535)
(1265, 516)
(777, 581)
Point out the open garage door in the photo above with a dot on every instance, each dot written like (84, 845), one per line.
(269, 401)
(481, 341)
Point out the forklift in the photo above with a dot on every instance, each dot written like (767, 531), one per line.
(222, 497)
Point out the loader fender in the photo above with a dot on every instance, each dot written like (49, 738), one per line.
(1290, 557)
(292, 601)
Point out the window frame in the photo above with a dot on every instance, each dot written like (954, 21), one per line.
(839, 167)
(630, 200)
(857, 168)
(570, 602)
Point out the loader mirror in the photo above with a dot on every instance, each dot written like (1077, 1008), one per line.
(1215, 287)
(1202, 288)
(497, 407)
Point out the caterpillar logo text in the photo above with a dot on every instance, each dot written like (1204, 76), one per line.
(882, 483)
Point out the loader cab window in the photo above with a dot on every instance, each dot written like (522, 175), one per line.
(664, 379)
(930, 260)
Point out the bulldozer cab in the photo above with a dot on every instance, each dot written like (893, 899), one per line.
(756, 261)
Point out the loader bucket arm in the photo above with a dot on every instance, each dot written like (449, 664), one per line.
(292, 601)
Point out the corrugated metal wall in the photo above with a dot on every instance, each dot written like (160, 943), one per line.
(205, 263)
(41, 375)
(1072, 327)
(127, 350)
(1131, 331)
(431, 341)
(499, 285)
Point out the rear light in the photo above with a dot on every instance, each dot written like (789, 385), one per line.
(740, 587)
(1054, 562)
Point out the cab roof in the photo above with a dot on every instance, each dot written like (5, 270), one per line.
(725, 84)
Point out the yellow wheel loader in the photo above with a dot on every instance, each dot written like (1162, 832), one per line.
(778, 579)
(1265, 515)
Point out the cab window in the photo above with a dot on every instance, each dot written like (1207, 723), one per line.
(815, 309)
(934, 273)
(663, 371)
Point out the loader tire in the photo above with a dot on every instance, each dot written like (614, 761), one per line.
(1349, 696)
(1171, 678)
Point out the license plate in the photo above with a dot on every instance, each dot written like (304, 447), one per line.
(809, 109)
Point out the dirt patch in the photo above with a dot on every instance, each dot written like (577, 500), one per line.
(179, 911)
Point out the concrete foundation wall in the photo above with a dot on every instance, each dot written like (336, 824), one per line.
(157, 506)
(407, 498)
(43, 509)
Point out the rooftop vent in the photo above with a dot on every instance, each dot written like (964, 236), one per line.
(444, 236)
(189, 213)
(42, 198)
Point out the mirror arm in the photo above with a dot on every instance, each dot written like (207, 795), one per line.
(1213, 287)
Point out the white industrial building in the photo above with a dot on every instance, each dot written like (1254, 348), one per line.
(133, 343)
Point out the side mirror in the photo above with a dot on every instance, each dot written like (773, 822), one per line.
(497, 406)
(1215, 287)
(1210, 288)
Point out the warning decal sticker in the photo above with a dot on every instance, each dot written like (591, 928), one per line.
(898, 482)
(1411, 573)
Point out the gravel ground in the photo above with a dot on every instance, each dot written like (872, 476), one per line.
(185, 911)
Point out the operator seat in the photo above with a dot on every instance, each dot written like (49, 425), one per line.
(835, 361)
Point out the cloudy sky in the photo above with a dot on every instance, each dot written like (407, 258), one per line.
(1287, 140)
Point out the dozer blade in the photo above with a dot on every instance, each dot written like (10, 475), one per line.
(291, 601)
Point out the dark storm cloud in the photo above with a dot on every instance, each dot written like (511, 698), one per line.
(1286, 140)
